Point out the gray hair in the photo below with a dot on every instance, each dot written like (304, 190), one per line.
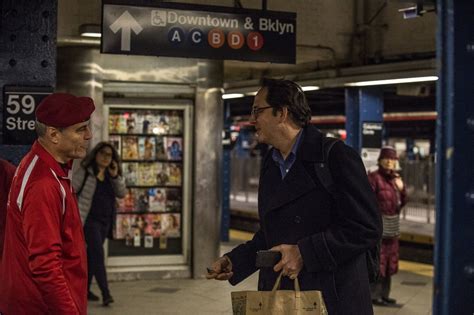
(40, 128)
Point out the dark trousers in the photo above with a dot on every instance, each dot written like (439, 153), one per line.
(95, 233)
(381, 288)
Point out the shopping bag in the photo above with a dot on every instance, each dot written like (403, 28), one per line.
(278, 302)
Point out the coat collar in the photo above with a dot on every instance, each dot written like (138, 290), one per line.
(54, 165)
(311, 148)
(276, 192)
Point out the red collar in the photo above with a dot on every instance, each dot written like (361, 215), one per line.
(46, 157)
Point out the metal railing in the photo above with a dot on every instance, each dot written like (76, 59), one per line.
(418, 176)
(244, 178)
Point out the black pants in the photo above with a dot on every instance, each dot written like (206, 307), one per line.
(381, 288)
(95, 233)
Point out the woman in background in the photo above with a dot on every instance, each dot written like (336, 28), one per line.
(97, 183)
(391, 197)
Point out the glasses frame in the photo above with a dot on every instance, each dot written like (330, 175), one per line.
(257, 110)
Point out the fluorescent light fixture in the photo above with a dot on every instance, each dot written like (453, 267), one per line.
(251, 93)
(310, 88)
(393, 81)
(87, 34)
(90, 30)
(232, 95)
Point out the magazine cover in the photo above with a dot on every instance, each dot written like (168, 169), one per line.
(153, 225)
(117, 123)
(123, 226)
(175, 122)
(127, 203)
(130, 173)
(161, 148)
(174, 148)
(160, 124)
(173, 200)
(146, 174)
(146, 148)
(130, 148)
(171, 225)
(174, 173)
(142, 202)
(139, 118)
(131, 122)
(162, 176)
(138, 226)
(157, 199)
(116, 141)
(147, 123)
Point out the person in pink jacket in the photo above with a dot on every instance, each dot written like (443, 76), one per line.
(391, 197)
(44, 265)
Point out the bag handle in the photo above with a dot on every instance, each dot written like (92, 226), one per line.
(276, 286)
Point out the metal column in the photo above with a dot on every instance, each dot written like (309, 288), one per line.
(27, 53)
(454, 248)
(80, 73)
(226, 173)
(362, 105)
(207, 165)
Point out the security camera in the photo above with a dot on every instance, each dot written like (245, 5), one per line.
(411, 12)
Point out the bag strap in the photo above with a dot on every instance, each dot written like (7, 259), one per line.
(322, 169)
(276, 286)
(78, 193)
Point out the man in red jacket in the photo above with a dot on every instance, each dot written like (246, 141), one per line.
(391, 197)
(44, 266)
(7, 170)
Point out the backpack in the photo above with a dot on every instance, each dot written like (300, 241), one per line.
(323, 173)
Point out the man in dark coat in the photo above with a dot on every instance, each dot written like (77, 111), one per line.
(323, 240)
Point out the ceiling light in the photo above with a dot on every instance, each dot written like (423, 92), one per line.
(393, 81)
(90, 30)
(232, 95)
(310, 88)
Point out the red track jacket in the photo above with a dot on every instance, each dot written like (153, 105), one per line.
(6, 176)
(44, 265)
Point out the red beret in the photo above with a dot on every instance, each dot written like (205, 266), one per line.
(62, 110)
(388, 153)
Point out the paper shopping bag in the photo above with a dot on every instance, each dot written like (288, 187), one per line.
(278, 302)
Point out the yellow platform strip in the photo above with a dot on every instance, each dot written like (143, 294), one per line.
(240, 235)
(417, 268)
(408, 266)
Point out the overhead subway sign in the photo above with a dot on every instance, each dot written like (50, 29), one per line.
(199, 33)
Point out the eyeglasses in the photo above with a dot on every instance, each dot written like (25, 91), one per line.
(257, 110)
(105, 153)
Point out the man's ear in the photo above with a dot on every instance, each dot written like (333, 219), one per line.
(284, 114)
(53, 134)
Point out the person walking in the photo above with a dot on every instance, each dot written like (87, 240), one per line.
(391, 197)
(323, 240)
(44, 264)
(98, 182)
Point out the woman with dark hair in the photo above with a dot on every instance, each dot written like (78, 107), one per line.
(97, 183)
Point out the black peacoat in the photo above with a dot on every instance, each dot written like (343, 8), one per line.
(332, 234)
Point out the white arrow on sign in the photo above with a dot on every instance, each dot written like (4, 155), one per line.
(126, 23)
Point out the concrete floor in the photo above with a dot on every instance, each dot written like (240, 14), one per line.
(412, 287)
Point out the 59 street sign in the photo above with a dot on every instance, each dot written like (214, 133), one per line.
(199, 32)
(19, 113)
